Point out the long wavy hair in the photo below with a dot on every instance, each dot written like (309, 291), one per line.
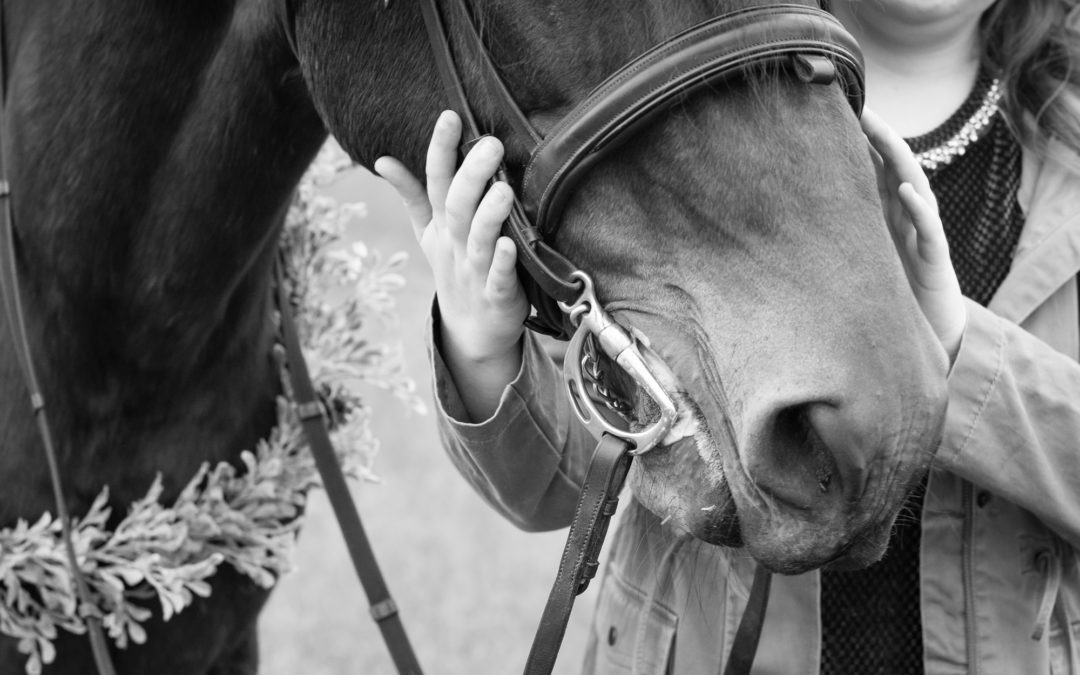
(1034, 45)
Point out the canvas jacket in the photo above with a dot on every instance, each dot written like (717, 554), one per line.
(1000, 585)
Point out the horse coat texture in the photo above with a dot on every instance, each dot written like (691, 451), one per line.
(1000, 522)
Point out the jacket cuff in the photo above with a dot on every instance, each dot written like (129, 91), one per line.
(532, 377)
(972, 379)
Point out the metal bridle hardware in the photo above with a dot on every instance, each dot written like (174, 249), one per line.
(798, 38)
(591, 320)
(593, 368)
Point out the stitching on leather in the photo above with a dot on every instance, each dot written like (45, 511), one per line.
(738, 56)
(675, 44)
(584, 149)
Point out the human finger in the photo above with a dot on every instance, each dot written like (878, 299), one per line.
(899, 162)
(502, 281)
(442, 158)
(931, 242)
(410, 189)
(469, 184)
(487, 224)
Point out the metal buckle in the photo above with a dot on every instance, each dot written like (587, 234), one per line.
(591, 320)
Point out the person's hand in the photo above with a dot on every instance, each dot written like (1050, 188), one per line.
(457, 222)
(911, 212)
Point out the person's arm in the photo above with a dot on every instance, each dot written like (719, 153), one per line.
(911, 213)
(1013, 423)
(502, 414)
(528, 459)
(1013, 419)
(457, 221)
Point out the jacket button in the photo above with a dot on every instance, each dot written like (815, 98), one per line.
(983, 498)
(612, 635)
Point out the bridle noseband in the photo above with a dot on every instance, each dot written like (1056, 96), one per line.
(805, 40)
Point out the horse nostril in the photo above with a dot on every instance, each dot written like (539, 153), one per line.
(847, 440)
(809, 450)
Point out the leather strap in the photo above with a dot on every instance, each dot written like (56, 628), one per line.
(472, 47)
(747, 636)
(9, 285)
(579, 563)
(809, 41)
(547, 276)
(310, 410)
(695, 59)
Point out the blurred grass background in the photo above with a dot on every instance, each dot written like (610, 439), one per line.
(470, 586)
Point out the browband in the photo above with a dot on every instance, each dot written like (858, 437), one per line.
(692, 60)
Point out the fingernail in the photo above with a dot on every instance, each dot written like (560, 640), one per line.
(489, 144)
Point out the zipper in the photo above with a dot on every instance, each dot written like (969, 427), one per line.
(967, 496)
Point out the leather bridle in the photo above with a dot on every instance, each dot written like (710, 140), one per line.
(808, 41)
(805, 40)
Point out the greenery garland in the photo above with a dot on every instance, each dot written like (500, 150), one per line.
(247, 518)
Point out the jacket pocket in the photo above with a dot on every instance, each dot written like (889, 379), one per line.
(1064, 620)
(632, 635)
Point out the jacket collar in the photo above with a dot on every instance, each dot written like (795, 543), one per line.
(1048, 253)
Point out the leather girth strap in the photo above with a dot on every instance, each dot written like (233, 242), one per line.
(312, 416)
(597, 503)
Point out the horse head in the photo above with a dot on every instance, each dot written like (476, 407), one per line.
(741, 234)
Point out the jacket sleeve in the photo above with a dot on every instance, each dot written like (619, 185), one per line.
(529, 458)
(1013, 422)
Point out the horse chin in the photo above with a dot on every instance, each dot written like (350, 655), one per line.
(706, 509)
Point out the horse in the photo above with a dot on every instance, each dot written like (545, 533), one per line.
(152, 150)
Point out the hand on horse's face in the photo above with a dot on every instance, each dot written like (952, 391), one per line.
(481, 302)
(912, 215)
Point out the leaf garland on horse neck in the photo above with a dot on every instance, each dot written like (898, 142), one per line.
(246, 518)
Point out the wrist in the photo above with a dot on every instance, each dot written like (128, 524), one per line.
(482, 375)
(478, 345)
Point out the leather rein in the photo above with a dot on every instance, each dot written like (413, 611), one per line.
(309, 408)
(805, 40)
(810, 42)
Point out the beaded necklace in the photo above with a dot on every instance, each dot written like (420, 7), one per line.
(957, 144)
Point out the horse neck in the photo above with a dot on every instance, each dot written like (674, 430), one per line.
(153, 151)
(156, 148)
